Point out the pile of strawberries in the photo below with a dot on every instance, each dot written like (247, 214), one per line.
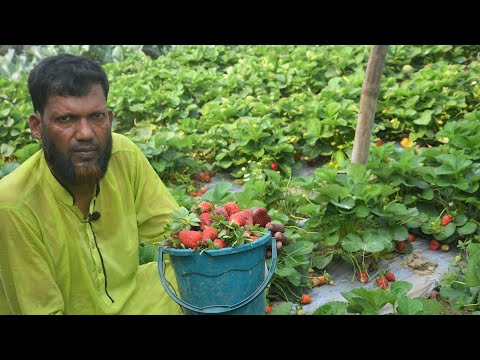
(206, 226)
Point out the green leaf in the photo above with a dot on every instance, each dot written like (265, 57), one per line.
(425, 118)
(362, 211)
(408, 306)
(376, 241)
(6, 150)
(320, 261)
(472, 275)
(347, 203)
(396, 209)
(334, 191)
(400, 232)
(284, 309)
(332, 308)
(25, 152)
(159, 166)
(298, 248)
(426, 194)
(352, 243)
(400, 288)
(331, 239)
(460, 220)
(446, 231)
(430, 307)
(467, 229)
(356, 172)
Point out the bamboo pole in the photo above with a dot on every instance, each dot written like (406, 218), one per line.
(368, 103)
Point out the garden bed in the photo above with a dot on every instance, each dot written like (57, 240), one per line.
(423, 279)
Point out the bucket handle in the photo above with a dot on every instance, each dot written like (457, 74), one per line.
(210, 309)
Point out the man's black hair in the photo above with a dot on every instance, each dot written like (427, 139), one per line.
(64, 75)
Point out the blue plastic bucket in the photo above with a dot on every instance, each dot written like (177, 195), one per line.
(228, 281)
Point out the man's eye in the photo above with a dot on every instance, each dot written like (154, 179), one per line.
(64, 118)
(98, 116)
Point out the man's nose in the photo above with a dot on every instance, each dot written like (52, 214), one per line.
(84, 130)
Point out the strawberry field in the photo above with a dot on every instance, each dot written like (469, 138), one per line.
(277, 125)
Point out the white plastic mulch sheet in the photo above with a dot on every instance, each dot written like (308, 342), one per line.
(424, 271)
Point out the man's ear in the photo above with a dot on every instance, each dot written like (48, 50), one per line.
(110, 116)
(35, 122)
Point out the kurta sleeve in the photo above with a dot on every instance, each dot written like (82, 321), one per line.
(153, 201)
(27, 274)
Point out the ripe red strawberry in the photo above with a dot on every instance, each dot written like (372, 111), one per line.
(248, 216)
(306, 299)
(220, 242)
(363, 277)
(400, 245)
(268, 309)
(205, 206)
(382, 282)
(446, 219)
(379, 143)
(434, 245)
(205, 218)
(274, 166)
(411, 238)
(390, 277)
(189, 238)
(237, 218)
(220, 210)
(209, 233)
(231, 208)
(202, 190)
(261, 217)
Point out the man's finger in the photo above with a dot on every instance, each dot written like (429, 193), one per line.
(276, 227)
(282, 238)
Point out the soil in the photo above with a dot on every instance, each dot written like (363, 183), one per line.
(420, 264)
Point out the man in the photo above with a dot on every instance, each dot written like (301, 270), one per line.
(72, 215)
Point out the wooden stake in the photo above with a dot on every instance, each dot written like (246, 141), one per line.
(368, 103)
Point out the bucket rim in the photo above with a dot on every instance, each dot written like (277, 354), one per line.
(219, 252)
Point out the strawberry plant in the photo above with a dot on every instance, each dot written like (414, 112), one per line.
(372, 301)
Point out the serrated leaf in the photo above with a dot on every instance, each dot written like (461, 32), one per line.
(356, 172)
(472, 275)
(284, 271)
(467, 229)
(347, 203)
(408, 306)
(400, 288)
(425, 118)
(396, 209)
(331, 239)
(400, 232)
(426, 194)
(352, 243)
(6, 150)
(284, 309)
(460, 220)
(376, 240)
(446, 231)
(298, 248)
(320, 261)
(362, 211)
(332, 308)
(430, 307)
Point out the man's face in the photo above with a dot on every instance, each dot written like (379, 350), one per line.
(76, 136)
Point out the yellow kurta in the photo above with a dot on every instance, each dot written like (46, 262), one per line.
(52, 261)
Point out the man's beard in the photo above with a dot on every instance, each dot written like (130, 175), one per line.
(63, 167)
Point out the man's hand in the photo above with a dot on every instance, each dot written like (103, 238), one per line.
(277, 230)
